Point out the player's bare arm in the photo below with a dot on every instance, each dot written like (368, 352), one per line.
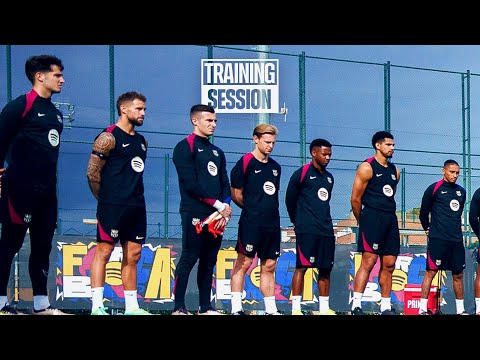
(398, 179)
(362, 176)
(237, 196)
(102, 146)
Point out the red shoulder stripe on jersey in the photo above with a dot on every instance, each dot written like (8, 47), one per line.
(246, 161)
(369, 160)
(437, 185)
(190, 139)
(304, 170)
(30, 96)
(110, 128)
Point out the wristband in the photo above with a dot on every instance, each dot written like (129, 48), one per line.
(219, 206)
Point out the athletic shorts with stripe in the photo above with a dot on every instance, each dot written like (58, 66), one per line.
(315, 251)
(260, 240)
(445, 255)
(118, 223)
(378, 232)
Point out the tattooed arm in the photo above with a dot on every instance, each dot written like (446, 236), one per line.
(104, 143)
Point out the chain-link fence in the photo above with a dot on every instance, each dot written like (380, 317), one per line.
(429, 112)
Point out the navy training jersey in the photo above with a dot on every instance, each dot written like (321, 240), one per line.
(30, 128)
(122, 176)
(202, 174)
(474, 213)
(444, 202)
(380, 191)
(308, 200)
(260, 182)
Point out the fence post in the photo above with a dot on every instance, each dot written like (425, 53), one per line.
(166, 177)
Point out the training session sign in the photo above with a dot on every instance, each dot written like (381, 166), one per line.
(240, 85)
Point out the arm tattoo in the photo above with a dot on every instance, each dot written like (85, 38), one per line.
(104, 143)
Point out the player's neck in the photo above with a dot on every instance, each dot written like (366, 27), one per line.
(382, 160)
(200, 134)
(260, 156)
(42, 92)
(126, 126)
(317, 166)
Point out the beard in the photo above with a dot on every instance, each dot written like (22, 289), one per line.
(135, 122)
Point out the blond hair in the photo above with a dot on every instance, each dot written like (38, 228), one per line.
(265, 129)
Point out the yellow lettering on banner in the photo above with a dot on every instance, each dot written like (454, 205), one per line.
(357, 260)
(308, 280)
(69, 258)
(158, 286)
(113, 273)
(225, 261)
(255, 276)
(435, 280)
(399, 279)
(308, 285)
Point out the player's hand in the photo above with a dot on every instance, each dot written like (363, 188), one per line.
(220, 223)
(226, 212)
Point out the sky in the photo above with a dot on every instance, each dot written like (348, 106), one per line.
(345, 104)
(444, 57)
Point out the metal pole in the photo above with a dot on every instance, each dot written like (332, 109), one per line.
(9, 72)
(9, 98)
(210, 52)
(468, 173)
(466, 150)
(302, 108)
(210, 56)
(111, 53)
(263, 51)
(403, 205)
(386, 85)
(165, 220)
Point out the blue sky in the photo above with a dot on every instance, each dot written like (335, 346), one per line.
(447, 57)
(344, 105)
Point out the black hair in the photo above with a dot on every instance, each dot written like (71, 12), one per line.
(380, 136)
(42, 63)
(201, 108)
(129, 97)
(319, 143)
(450, 162)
